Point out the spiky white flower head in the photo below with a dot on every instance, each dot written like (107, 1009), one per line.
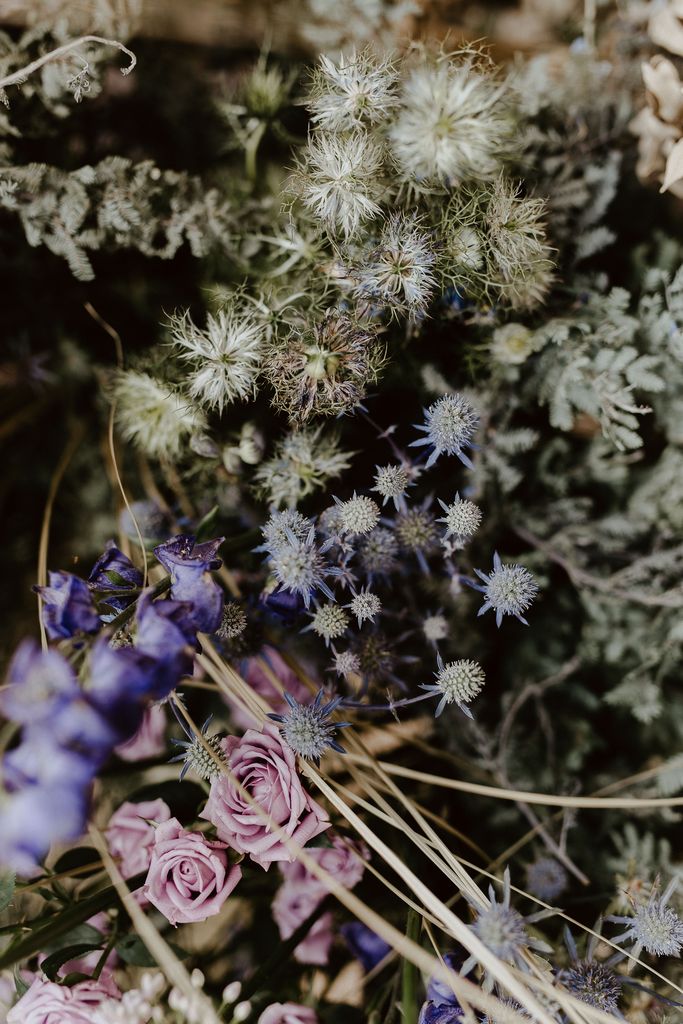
(357, 89)
(339, 180)
(299, 567)
(546, 878)
(398, 273)
(303, 462)
(265, 90)
(465, 248)
(307, 728)
(458, 682)
(593, 983)
(416, 532)
(512, 344)
(330, 621)
(462, 518)
(366, 606)
(324, 369)
(391, 482)
(357, 516)
(452, 125)
(223, 358)
(435, 628)
(280, 525)
(153, 416)
(508, 589)
(520, 258)
(449, 425)
(346, 663)
(233, 621)
(204, 755)
(378, 553)
(502, 929)
(654, 926)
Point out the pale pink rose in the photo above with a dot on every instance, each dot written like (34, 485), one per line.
(266, 767)
(189, 878)
(130, 837)
(288, 1013)
(8, 990)
(293, 903)
(259, 680)
(149, 740)
(344, 860)
(49, 1003)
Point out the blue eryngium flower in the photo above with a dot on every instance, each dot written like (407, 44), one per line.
(112, 573)
(508, 589)
(307, 728)
(67, 606)
(365, 945)
(190, 566)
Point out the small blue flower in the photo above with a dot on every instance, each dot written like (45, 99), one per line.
(190, 566)
(67, 606)
(307, 728)
(112, 573)
(39, 760)
(508, 589)
(365, 945)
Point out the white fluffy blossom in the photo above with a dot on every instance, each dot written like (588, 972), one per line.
(355, 90)
(512, 344)
(399, 271)
(457, 682)
(223, 358)
(153, 415)
(339, 180)
(452, 125)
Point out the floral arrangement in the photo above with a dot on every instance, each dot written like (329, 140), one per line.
(337, 356)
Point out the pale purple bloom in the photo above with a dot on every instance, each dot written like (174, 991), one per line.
(440, 992)
(112, 573)
(34, 818)
(436, 1013)
(293, 903)
(67, 606)
(190, 566)
(39, 760)
(166, 632)
(37, 683)
(365, 944)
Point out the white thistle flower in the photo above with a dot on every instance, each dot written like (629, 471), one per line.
(339, 180)
(435, 628)
(355, 90)
(453, 124)
(458, 682)
(399, 272)
(346, 663)
(391, 482)
(366, 606)
(224, 357)
(330, 621)
(512, 344)
(462, 518)
(449, 426)
(358, 515)
(153, 416)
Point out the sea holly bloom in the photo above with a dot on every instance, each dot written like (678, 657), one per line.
(450, 424)
(203, 754)
(654, 926)
(306, 728)
(67, 607)
(457, 682)
(190, 566)
(37, 683)
(189, 878)
(508, 589)
(300, 567)
(112, 574)
(265, 766)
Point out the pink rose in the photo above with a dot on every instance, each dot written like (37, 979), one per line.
(344, 860)
(49, 1003)
(258, 679)
(266, 767)
(293, 903)
(130, 837)
(148, 741)
(189, 878)
(288, 1013)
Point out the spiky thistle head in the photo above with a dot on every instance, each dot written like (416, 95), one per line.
(304, 461)
(358, 89)
(450, 424)
(346, 663)
(324, 369)
(223, 357)
(398, 272)
(462, 518)
(307, 728)
(154, 416)
(453, 123)
(457, 682)
(508, 590)
(593, 983)
(233, 621)
(654, 926)
(546, 878)
(339, 180)
(203, 754)
(280, 525)
(366, 606)
(330, 621)
(416, 532)
(299, 566)
(378, 553)
(357, 516)
(391, 483)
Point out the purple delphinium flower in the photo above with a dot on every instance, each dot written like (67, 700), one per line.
(440, 992)
(39, 760)
(365, 945)
(190, 566)
(38, 682)
(121, 682)
(112, 573)
(436, 1013)
(164, 627)
(34, 818)
(67, 606)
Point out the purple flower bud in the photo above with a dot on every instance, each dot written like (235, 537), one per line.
(113, 572)
(365, 945)
(68, 606)
(190, 566)
(80, 727)
(35, 818)
(38, 682)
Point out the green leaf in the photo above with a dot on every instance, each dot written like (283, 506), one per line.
(132, 950)
(77, 858)
(51, 964)
(206, 529)
(7, 883)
